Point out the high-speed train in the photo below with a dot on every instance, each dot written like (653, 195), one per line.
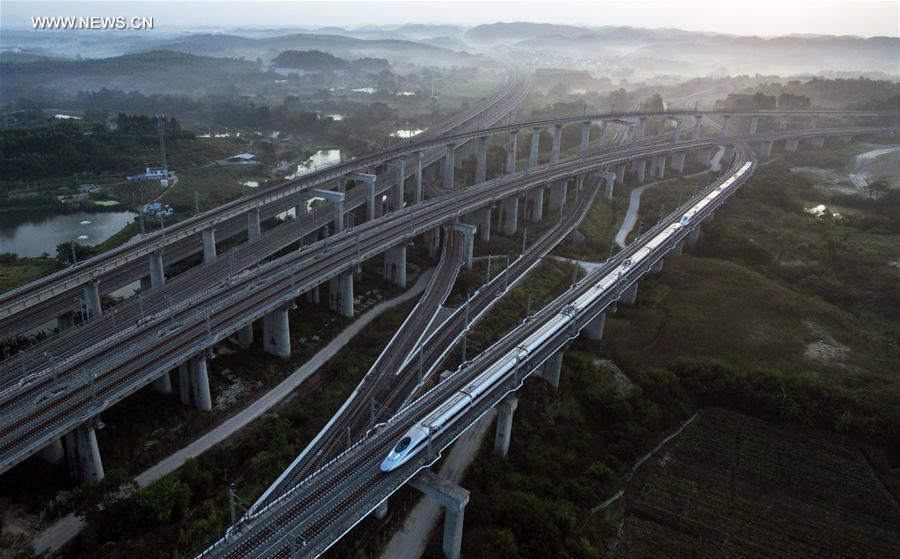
(432, 425)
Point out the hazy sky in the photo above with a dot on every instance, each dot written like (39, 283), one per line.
(747, 17)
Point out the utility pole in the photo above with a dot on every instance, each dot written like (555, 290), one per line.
(232, 509)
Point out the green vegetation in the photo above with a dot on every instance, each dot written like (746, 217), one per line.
(711, 493)
(15, 271)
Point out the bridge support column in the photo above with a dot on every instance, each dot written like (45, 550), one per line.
(163, 384)
(340, 294)
(698, 121)
(200, 383)
(585, 138)
(601, 141)
(184, 383)
(693, 237)
(660, 165)
(791, 145)
(676, 133)
(395, 265)
(381, 511)
(678, 161)
(417, 196)
(814, 122)
(209, 245)
(395, 198)
(594, 328)
(535, 147)
(558, 192)
(641, 129)
(754, 124)
(312, 296)
(557, 139)
(468, 245)
(454, 499)
(620, 173)
(678, 249)
(481, 160)
(629, 296)
(245, 335)
(729, 154)
(765, 149)
(506, 408)
(509, 215)
(551, 369)
(277, 332)
(53, 452)
(640, 170)
(157, 270)
(448, 167)
(432, 241)
(254, 229)
(704, 155)
(819, 141)
(484, 227)
(610, 179)
(84, 453)
(91, 293)
(657, 267)
(534, 204)
(726, 120)
(511, 152)
(65, 321)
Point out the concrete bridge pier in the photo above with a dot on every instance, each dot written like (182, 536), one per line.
(783, 123)
(693, 237)
(484, 226)
(765, 149)
(594, 328)
(535, 147)
(552, 368)
(312, 296)
(245, 335)
(641, 129)
(558, 192)
(254, 229)
(381, 511)
(610, 179)
(277, 332)
(337, 205)
(65, 321)
(157, 270)
(340, 294)
(53, 453)
(91, 293)
(698, 121)
(432, 241)
(601, 141)
(163, 384)
(199, 383)
(557, 139)
(629, 296)
(468, 242)
(184, 383)
(640, 170)
(209, 245)
(373, 206)
(791, 145)
(395, 198)
(511, 152)
(620, 173)
(704, 155)
(481, 160)
(678, 161)
(505, 410)
(453, 499)
(534, 204)
(585, 138)
(726, 121)
(417, 194)
(814, 122)
(660, 166)
(84, 453)
(818, 141)
(729, 154)
(509, 215)
(448, 166)
(657, 267)
(678, 249)
(754, 124)
(395, 265)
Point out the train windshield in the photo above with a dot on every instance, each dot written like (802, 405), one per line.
(403, 444)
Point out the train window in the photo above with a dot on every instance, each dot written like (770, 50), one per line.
(401, 446)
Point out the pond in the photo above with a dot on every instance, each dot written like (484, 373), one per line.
(33, 233)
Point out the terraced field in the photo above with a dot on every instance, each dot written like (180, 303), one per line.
(733, 486)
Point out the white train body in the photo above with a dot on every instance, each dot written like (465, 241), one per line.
(443, 416)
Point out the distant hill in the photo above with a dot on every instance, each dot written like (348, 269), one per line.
(494, 33)
(318, 61)
(149, 72)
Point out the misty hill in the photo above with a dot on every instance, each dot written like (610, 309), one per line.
(318, 61)
(494, 33)
(267, 48)
(150, 72)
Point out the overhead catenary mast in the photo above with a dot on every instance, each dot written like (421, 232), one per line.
(161, 126)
